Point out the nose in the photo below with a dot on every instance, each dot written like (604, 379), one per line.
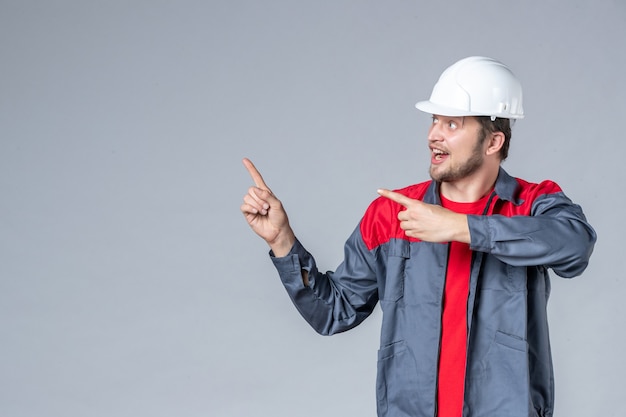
(434, 133)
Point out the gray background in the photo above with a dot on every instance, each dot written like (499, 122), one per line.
(130, 284)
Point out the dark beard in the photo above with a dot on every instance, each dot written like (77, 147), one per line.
(468, 168)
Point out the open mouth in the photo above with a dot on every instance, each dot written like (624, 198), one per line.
(438, 155)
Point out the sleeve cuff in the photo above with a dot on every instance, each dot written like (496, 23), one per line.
(293, 261)
(480, 233)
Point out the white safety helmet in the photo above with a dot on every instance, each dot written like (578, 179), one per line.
(476, 86)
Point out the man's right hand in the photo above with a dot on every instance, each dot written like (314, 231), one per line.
(265, 214)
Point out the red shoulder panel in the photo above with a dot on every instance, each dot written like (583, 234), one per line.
(380, 222)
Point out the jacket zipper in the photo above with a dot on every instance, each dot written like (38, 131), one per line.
(443, 295)
(488, 209)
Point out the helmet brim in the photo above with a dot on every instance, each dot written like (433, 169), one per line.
(438, 109)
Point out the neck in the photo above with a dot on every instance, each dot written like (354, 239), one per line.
(470, 189)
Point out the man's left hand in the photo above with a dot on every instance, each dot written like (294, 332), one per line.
(429, 222)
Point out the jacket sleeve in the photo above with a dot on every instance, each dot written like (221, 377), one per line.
(337, 301)
(555, 235)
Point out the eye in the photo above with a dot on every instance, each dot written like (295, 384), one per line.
(435, 120)
(452, 125)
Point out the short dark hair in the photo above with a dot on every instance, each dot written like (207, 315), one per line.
(499, 125)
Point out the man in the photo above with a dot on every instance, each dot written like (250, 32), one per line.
(459, 264)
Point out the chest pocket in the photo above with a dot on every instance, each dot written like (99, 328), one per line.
(398, 253)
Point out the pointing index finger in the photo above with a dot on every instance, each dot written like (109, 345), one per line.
(393, 196)
(255, 174)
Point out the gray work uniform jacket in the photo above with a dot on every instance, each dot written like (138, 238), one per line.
(526, 229)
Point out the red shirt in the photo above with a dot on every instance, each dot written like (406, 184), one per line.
(454, 319)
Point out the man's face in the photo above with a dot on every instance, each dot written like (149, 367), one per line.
(456, 146)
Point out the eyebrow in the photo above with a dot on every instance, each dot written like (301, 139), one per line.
(459, 119)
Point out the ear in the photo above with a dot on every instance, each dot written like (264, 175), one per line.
(494, 143)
